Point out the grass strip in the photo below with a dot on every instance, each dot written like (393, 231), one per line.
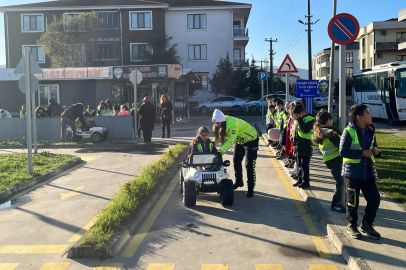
(392, 166)
(14, 167)
(129, 198)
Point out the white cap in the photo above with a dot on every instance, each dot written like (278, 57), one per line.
(218, 116)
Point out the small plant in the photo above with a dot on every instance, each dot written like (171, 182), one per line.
(24, 141)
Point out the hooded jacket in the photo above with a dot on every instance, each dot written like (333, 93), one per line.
(357, 170)
(302, 147)
(73, 112)
(329, 134)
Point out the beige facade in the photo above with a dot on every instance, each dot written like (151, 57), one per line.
(379, 43)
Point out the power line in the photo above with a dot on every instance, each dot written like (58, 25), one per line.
(287, 43)
(290, 18)
(285, 15)
(290, 45)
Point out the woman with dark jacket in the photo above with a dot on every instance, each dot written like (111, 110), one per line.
(147, 116)
(54, 109)
(165, 114)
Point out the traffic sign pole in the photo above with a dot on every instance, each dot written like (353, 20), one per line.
(28, 106)
(342, 95)
(332, 61)
(34, 125)
(135, 109)
(262, 92)
(287, 87)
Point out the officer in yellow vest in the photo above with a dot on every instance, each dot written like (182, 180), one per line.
(359, 148)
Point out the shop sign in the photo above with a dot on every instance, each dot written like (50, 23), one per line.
(75, 73)
(153, 72)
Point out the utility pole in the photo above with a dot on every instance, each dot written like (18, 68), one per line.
(271, 60)
(331, 83)
(309, 37)
(261, 63)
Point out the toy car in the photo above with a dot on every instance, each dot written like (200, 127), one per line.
(205, 172)
(96, 134)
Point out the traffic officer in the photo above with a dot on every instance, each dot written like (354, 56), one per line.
(231, 131)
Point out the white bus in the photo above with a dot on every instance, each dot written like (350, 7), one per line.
(383, 89)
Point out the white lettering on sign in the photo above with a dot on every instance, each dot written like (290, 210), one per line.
(75, 73)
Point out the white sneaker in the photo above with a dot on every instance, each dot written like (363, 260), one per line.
(294, 170)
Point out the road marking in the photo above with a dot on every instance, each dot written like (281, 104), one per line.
(161, 266)
(108, 266)
(8, 266)
(84, 230)
(29, 249)
(71, 194)
(55, 266)
(90, 158)
(268, 267)
(146, 226)
(318, 241)
(322, 267)
(214, 267)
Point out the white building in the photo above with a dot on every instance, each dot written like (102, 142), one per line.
(402, 41)
(380, 42)
(321, 63)
(205, 33)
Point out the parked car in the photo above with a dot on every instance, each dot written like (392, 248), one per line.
(322, 102)
(255, 106)
(217, 102)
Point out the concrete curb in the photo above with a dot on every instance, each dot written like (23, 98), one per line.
(5, 194)
(347, 250)
(127, 230)
(91, 146)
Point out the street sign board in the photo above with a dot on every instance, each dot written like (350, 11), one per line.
(322, 88)
(343, 28)
(287, 66)
(307, 88)
(34, 84)
(262, 76)
(136, 77)
(35, 69)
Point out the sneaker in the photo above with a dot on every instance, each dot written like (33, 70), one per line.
(338, 208)
(304, 185)
(298, 182)
(163, 136)
(352, 230)
(294, 170)
(237, 185)
(369, 230)
(250, 194)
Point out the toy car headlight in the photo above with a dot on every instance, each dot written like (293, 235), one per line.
(196, 175)
(221, 174)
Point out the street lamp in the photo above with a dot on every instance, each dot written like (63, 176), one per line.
(301, 21)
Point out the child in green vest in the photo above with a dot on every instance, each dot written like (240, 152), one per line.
(23, 112)
(328, 139)
(40, 112)
(202, 142)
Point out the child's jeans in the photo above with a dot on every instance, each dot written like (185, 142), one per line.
(303, 163)
(338, 192)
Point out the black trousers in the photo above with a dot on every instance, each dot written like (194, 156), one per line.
(371, 194)
(248, 150)
(338, 192)
(66, 121)
(147, 135)
(167, 123)
(303, 163)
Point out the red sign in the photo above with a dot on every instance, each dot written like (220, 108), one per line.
(287, 66)
(343, 29)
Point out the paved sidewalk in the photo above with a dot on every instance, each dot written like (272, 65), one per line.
(389, 252)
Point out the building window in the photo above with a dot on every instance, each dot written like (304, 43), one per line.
(363, 45)
(138, 51)
(107, 20)
(197, 52)
(349, 71)
(32, 23)
(363, 64)
(401, 37)
(122, 93)
(141, 20)
(400, 57)
(371, 40)
(73, 25)
(203, 83)
(106, 51)
(46, 92)
(349, 57)
(76, 52)
(196, 21)
(36, 51)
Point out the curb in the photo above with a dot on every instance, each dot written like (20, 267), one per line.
(347, 250)
(127, 230)
(5, 194)
(91, 146)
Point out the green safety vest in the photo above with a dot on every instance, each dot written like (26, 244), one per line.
(108, 112)
(90, 112)
(308, 135)
(329, 150)
(356, 146)
(131, 110)
(200, 147)
(23, 114)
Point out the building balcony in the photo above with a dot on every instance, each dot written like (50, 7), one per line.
(402, 15)
(325, 77)
(241, 37)
(244, 63)
(402, 43)
(386, 46)
(325, 64)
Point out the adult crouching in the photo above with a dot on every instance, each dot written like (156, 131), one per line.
(68, 118)
(165, 114)
(147, 116)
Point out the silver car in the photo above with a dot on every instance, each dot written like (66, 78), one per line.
(218, 102)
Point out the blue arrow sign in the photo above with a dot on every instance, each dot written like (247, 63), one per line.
(262, 76)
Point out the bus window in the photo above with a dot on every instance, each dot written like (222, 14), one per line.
(365, 83)
(402, 81)
(382, 83)
(358, 84)
(372, 82)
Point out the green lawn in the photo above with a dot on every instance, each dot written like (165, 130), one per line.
(392, 166)
(14, 167)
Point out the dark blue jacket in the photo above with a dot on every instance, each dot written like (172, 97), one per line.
(75, 111)
(357, 170)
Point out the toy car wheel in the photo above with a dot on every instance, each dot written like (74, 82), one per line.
(181, 182)
(226, 192)
(69, 137)
(97, 137)
(189, 193)
(278, 154)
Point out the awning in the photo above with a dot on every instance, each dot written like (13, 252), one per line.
(189, 74)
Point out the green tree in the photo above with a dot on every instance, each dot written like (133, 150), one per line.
(223, 78)
(253, 82)
(163, 51)
(349, 83)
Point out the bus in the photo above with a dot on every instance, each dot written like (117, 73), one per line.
(383, 89)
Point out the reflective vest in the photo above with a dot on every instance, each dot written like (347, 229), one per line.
(356, 146)
(23, 114)
(131, 110)
(308, 135)
(89, 112)
(200, 147)
(279, 118)
(329, 150)
(108, 112)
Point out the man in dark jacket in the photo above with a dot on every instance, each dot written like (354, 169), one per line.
(68, 118)
(147, 115)
(359, 148)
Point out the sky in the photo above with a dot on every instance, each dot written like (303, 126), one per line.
(278, 19)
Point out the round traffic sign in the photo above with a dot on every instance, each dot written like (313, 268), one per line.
(33, 87)
(343, 28)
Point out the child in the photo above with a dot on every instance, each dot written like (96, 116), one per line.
(101, 108)
(202, 143)
(290, 161)
(40, 112)
(87, 116)
(5, 114)
(109, 110)
(302, 144)
(269, 117)
(23, 112)
(328, 139)
(359, 148)
(123, 111)
(90, 110)
(281, 123)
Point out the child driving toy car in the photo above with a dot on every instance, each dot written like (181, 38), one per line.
(89, 120)
(202, 143)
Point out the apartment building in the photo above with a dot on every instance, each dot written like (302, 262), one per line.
(379, 43)
(321, 63)
(402, 41)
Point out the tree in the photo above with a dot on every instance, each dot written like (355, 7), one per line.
(253, 81)
(80, 41)
(349, 83)
(163, 51)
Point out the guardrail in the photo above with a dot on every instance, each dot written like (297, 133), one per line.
(386, 45)
(241, 62)
(240, 32)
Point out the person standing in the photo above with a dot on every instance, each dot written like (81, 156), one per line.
(69, 117)
(245, 138)
(165, 114)
(23, 112)
(147, 116)
(54, 109)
